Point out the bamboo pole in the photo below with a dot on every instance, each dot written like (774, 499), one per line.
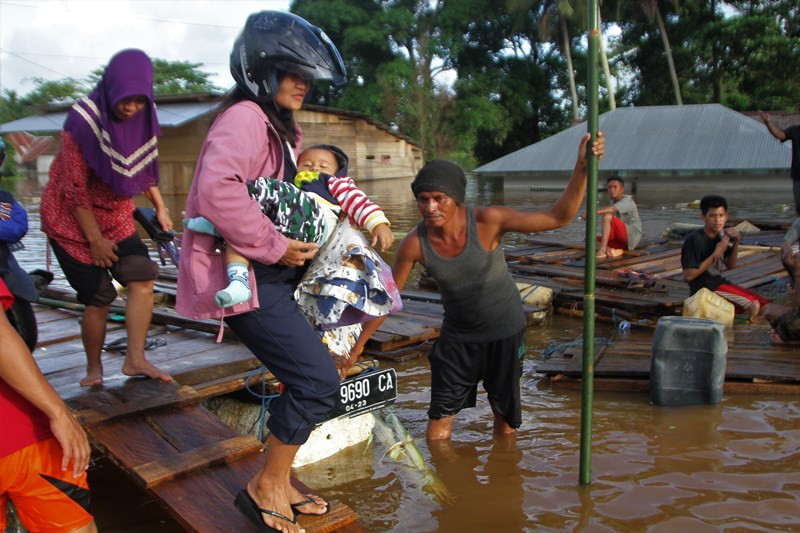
(592, 91)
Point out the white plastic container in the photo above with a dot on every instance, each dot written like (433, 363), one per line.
(707, 304)
(535, 295)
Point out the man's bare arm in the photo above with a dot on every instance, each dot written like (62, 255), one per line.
(778, 134)
(565, 208)
(408, 253)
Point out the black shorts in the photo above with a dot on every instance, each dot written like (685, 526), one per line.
(93, 283)
(456, 369)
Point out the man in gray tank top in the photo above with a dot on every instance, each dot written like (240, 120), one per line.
(482, 336)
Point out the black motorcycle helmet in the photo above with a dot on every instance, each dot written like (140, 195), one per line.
(274, 41)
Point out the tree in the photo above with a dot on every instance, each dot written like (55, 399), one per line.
(171, 77)
(11, 107)
(393, 54)
(55, 92)
(638, 38)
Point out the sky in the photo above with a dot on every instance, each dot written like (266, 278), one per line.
(55, 39)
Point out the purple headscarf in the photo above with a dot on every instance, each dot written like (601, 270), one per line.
(124, 153)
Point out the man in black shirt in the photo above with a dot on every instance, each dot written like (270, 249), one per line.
(706, 249)
(791, 133)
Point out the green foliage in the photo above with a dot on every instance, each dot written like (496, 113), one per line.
(747, 60)
(11, 106)
(55, 92)
(9, 167)
(171, 77)
(509, 83)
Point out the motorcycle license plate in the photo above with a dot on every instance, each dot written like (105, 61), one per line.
(365, 392)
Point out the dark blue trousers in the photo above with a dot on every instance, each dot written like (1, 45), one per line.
(280, 336)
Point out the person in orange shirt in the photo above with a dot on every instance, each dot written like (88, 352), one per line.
(44, 452)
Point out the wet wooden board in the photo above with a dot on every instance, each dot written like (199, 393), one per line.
(161, 314)
(397, 331)
(198, 491)
(170, 467)
(157, 432)
(122, 402)
(750, 358)
(65, 329)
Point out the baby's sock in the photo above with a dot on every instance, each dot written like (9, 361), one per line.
(238, 289)
(200, 225)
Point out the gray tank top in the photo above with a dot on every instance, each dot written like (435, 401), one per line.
(481, 301)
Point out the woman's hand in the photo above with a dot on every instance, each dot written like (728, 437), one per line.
(382, 235)
(162, 215)
(102, 250)
(298, 252)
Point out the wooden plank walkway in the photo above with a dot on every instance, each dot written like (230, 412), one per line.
(159, 434)
(754, 364)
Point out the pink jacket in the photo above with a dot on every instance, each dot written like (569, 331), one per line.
(241, 145)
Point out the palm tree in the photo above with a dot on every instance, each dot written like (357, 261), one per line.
(652, 13)
(564, 12)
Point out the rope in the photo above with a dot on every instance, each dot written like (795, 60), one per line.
(554, 346)
(265, 398)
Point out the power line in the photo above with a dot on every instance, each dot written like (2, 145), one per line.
(34, 63)
(100, 59)
(167, 21)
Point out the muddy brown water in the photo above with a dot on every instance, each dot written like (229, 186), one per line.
(730, 467)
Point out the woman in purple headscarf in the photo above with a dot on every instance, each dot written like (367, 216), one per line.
(108, 154)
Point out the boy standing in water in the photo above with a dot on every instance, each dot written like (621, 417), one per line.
(483, 333)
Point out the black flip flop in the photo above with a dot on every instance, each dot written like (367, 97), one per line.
(249, 508)
(295, 506)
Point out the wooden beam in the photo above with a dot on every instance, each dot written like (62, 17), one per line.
(167, 468)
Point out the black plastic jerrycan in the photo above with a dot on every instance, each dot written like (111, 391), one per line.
(688, 362)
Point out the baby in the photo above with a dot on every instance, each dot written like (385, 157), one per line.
(306, 210)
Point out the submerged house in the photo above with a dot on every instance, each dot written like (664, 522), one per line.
(659, 146)
(375, 151)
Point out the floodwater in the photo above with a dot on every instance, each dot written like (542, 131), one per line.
(730, 467)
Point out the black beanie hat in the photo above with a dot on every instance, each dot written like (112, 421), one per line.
(441, 176)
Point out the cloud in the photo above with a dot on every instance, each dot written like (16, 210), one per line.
(54, 39)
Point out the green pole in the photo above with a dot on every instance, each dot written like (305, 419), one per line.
(591, 228)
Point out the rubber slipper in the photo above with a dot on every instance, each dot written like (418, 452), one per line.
(117, 344)
(250, 509)
(296, 506)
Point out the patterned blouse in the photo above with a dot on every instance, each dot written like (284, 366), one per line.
(73, 184)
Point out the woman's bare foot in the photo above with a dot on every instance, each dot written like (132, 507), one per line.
(309, 504)
(94, 376)
(144, 368)
(602, 253)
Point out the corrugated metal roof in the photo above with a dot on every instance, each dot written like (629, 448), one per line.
(707, 137)
(169, 116)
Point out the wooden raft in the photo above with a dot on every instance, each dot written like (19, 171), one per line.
(620, 290)
(158, 433)
(754, 365)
